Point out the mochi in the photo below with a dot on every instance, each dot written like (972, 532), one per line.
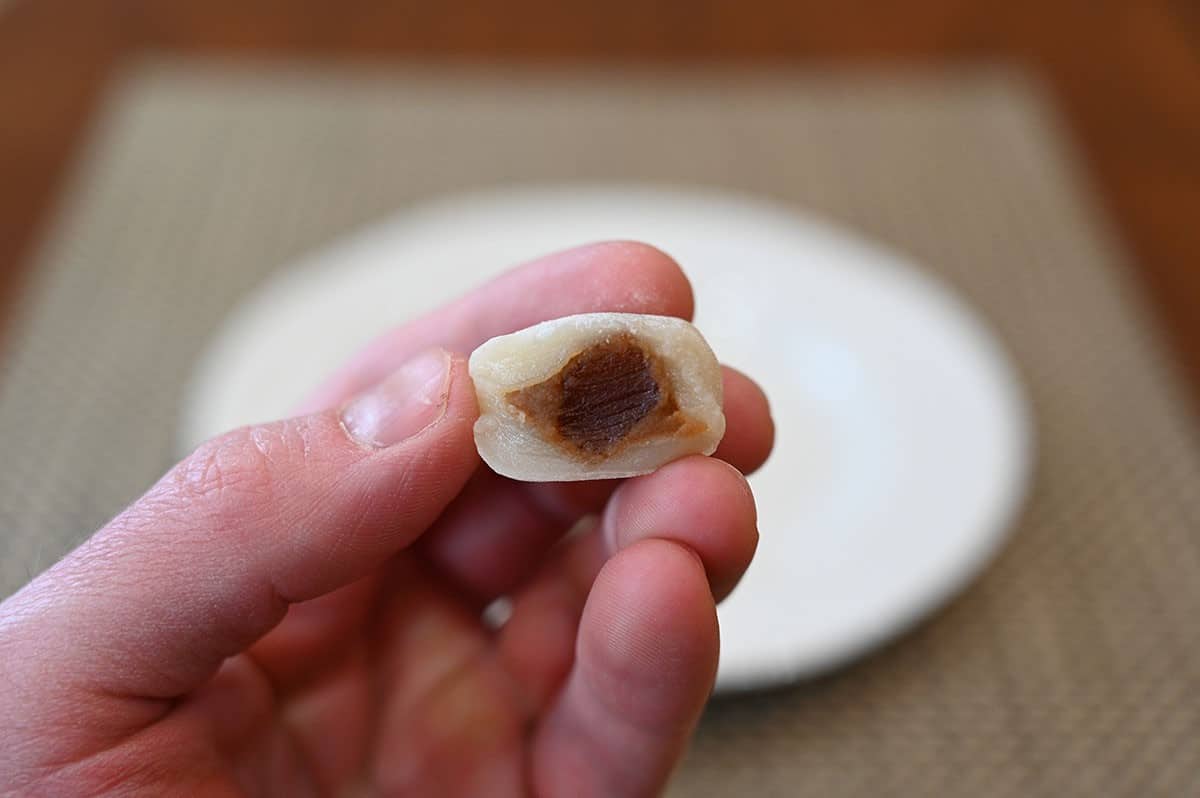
(596, 396)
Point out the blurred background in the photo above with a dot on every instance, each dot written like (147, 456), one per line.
(1125, 77)
(161, 161)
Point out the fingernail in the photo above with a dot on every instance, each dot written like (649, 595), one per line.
(402, 405)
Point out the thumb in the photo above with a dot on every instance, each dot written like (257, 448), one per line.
(209, 559)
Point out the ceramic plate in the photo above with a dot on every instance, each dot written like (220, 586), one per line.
(903, 437)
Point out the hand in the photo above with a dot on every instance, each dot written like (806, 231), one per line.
(295, 609)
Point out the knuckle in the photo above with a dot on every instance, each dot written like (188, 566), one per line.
(245, 464)
(230, 463)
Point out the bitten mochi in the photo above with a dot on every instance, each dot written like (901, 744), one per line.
(596, 396)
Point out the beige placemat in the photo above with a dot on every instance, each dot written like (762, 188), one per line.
(1071, 668)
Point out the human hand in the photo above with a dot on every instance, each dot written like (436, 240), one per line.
(295, 609)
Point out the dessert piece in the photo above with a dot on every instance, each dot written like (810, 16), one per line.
(596, 396)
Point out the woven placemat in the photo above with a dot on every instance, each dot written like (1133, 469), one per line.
(1071, 668)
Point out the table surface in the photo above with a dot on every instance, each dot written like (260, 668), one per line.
(1126, 77)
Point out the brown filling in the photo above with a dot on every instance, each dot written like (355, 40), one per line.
(609, 395)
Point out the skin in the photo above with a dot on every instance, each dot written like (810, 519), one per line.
(291, 612)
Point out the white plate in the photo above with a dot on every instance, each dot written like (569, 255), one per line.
(903, 444)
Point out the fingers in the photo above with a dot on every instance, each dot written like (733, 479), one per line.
(537, 644)
(645, 662)
(701, 503)
(316, 635)
(614, 276)
(704, 505)
(749, 430)
(494, 536)
(446, 721)
(209, 559)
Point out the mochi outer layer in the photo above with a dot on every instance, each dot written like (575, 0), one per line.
(529, 446)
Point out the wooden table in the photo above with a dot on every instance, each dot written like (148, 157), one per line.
(1126, 75)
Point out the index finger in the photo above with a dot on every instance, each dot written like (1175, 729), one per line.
(618, 276)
